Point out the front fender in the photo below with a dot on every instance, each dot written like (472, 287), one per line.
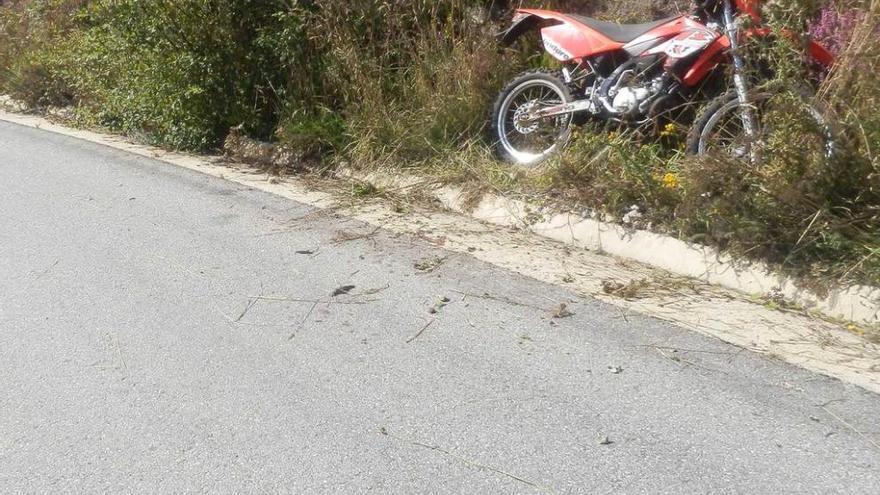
(820, 53)
(717, 51)
(816, 51)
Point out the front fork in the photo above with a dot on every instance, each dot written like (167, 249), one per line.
(739, 79)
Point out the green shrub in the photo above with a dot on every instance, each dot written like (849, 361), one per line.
(29, 60)
(177, 73)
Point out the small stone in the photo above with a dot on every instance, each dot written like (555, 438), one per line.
(562, 311)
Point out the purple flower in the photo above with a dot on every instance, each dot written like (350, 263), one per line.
(834, 26)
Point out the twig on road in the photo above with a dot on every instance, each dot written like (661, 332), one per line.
(121, 357)
(683, 349)
(465, 460)
(47, 270)
(479, 465)
(306, 317)
(247, 308)
(500, 299)
(853, 428)
(343, 236)
(420, 332)
(310, 301)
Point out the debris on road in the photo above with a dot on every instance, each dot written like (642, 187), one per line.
(345, 289)
(375, 290)
(420, 332)
(343, 236)
(604, 440)
(428, 265)
(631, 290)
(561, 311)
(615, 370)
(505, 300)
(247, 308)
(442, 301)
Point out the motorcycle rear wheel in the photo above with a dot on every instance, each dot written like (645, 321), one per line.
(525, 142)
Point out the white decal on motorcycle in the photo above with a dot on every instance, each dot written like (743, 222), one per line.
(557, 51)
(686, 44)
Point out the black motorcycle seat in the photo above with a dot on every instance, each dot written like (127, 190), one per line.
(621, 33)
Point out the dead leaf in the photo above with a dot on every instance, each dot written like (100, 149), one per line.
(345, 289)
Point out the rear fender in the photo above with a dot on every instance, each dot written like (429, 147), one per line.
(564, 38)
(524, 22)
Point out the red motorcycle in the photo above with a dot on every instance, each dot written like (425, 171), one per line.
(635, 74)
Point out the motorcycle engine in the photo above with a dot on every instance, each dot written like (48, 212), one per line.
(627, 93)
(629, 98)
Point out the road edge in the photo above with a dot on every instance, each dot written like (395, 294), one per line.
(858, 303)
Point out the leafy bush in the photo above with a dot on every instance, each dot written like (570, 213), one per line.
(29, 61)
(180, 72)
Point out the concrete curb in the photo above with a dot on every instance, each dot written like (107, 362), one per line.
(860, 304)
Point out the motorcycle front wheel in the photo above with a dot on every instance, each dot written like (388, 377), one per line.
(780, 121)
(524, 141)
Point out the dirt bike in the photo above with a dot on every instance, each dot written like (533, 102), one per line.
(636, 74)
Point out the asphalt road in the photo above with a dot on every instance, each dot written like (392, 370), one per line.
(136, 356)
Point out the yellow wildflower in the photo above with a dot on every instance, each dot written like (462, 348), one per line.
(668, 130)
(855, 329)
(670, 181)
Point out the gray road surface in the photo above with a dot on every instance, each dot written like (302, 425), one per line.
(134, 357)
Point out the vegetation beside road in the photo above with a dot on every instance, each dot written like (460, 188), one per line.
(409, 84)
